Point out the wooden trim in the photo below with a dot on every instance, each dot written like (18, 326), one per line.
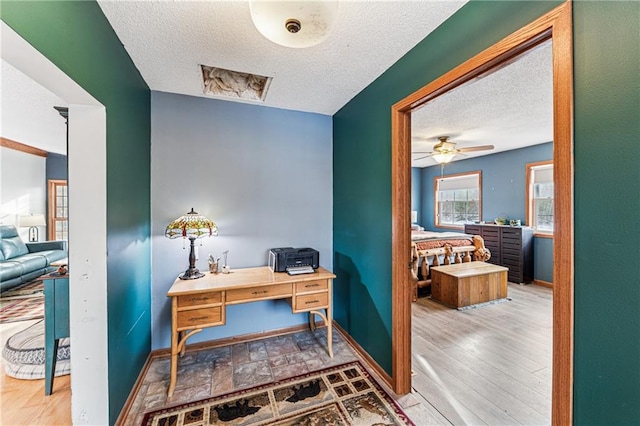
(543, 283)
(401, 292)
(541, 235)
(11, 144)
(555, 25)
(365, 355)
(528, 184)
(563, 250)
(435, 198)
(52, 205)
(124, 412)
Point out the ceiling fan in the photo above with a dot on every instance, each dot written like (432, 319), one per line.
(444, 151)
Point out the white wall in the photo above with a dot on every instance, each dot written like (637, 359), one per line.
(264, 175)
(23, 188)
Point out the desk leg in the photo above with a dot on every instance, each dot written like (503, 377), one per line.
(312, 321)
(174, 346)
(51, 353)
(329, 323)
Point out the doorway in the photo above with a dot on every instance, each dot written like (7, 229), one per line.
(556, 26)
(87, 256)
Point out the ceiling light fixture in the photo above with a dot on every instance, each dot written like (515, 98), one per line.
(294, 24)
(444, 157)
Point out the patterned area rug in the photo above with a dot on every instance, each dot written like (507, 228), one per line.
(22, 309)
(33, 288)
(341, 395)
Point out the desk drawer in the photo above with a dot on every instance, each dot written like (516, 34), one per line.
(207, 298)
(311, 301)
(308, 286)
(196, 318)
(258, 293)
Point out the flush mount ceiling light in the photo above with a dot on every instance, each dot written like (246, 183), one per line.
(295, 24)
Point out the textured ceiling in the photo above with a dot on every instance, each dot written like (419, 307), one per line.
(169, 40)
(509, 108)
(27, 114)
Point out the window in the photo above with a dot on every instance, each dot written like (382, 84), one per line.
(540, 197)
(458, 199)
(58, 210)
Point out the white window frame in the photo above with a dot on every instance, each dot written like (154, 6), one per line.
(538, 173)
(454, 181)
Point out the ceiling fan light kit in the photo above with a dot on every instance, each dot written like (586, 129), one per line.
(444, 151)
(295, 24)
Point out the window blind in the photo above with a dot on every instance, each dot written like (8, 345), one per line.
(462, 182)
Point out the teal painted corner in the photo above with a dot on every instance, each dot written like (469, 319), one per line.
(77, 37)
(607, 200)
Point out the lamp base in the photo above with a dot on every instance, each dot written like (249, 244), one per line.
(191, 274)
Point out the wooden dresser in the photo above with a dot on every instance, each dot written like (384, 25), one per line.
(510, 246)
(201, 303)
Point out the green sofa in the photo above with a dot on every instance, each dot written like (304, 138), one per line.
(20, 262)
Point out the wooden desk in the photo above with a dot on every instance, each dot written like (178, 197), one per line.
(464, 284)
(56, 322)
(201, 303)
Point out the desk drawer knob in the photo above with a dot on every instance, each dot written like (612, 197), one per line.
(311, 302)
(256, 293)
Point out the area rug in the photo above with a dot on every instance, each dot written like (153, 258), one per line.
(340, 395)
(33, 288)
(22, 309)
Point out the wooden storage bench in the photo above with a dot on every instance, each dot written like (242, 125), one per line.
(465, 284)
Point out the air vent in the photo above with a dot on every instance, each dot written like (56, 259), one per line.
(233, 84)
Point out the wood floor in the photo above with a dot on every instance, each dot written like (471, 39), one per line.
(489, 365)
(23, 401)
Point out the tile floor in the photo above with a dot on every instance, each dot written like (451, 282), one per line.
(215, 371)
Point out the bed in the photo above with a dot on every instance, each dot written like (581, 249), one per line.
(429, 248)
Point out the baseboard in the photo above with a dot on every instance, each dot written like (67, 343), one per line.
(158, 353)
(365, 355)
(134, 391)
(543, 283)
(210, 344)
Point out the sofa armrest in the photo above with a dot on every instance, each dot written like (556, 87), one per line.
(47, 245)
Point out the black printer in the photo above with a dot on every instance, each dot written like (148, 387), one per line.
(285, 258)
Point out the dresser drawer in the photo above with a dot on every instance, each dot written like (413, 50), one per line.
(207, 298)
(258, 293)
(309, 286)
(308, 302)
(196, 318)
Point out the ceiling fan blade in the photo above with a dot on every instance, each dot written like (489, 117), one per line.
(422, 152)
(421, 158)
(476, 148)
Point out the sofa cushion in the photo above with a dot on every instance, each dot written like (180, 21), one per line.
(31, 262)
(13, 247)
(9, 270)
(49, 255)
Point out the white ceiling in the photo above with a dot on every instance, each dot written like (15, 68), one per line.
(510, 108)
(27, 115)
(167, 42)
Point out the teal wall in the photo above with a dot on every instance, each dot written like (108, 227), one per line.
(362, 183)
(607, 197)
(504, 180)
(79, 40)
(607, 202)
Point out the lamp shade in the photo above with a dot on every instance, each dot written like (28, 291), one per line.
(295, 24)
(191, 225)
(414, 216)
(31, 220)
(444, 157)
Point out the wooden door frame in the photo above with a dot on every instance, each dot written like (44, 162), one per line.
(556, 25)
